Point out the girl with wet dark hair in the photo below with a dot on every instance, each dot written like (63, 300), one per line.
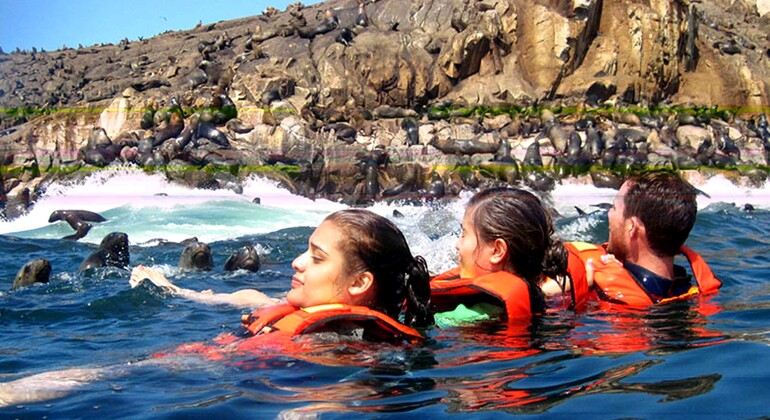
(355, 258)
(356, 278)
(505, 251)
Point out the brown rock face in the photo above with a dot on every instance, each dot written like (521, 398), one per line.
(266, 88)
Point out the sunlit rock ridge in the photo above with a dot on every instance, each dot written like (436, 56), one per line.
(388, 99)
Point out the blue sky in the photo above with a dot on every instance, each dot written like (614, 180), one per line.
(49, 24)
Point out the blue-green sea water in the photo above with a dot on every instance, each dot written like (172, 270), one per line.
(699, 359)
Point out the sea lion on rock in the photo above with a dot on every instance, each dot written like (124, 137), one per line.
(237, 126)
(532, 156)
(464, 147)
(113, 251)
(343, 132)
(409, 125)
(371, 180)
(539, 181)
(169, 129)
(594, 141)
(436, 189)
(385, 111)
(345, 37)
(35, 271)
(606, 180)
(361, 19)
(329, 24)
(559, 138)
(246, 258)
(77, 219)
(503, 153)
(209, 132)
(196, 255)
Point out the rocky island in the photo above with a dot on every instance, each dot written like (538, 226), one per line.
(362, 100)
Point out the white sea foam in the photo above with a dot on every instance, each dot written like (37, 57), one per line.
(147, 206)
(151, 195)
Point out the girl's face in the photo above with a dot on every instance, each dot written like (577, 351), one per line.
(474, 256)
(320, 275)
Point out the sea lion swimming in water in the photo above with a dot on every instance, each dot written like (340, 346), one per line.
(246, 258)
(77, 219)
(35, 271)
(197, 256)
(113, 251)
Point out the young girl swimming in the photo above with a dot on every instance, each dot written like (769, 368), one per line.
(357, 276)
(505, 250)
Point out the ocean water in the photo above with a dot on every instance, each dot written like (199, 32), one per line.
(94, 336)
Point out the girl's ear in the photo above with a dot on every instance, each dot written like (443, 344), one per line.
(361, 284)
(499, 252)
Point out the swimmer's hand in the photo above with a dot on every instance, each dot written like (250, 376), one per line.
(605, 259)
(141, 273)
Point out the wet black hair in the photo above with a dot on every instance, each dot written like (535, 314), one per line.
(519, 218)
(377, 245)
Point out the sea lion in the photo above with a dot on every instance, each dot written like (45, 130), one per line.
(196, 255)
(631, 135)
(329, 24)
(437, 188)
(606, 180)
(77, 219)
(237, 126)
(503, 153)
(583, 123)
(113, 251)
(345, 37)
(609, 156)
(464, 147)
(197, 79)
(409, 125)
(343, 132)
(539, 181)
(705, 151)
(385, 111)
(101, 156)
(209, 132)
(729, 47)
(361, 19)
(246, 258)
(98, 138)
(371, 181)
(169, 129)
(224, 108)
(594, 141)
(532, 156)
(559, 138)
(35, 271)
(574, 145)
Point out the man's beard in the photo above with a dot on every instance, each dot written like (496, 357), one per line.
(617, 249)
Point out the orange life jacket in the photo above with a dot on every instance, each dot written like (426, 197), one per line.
(293, 320)
(447, 290)
(615, 284)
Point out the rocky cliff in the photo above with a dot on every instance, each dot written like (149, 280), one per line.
(365, 99)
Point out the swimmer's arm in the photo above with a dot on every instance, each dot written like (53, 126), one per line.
(243, 298)
(246, 298)
(562, 285)
(553, 287)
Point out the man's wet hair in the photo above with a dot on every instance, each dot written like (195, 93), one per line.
(666, 205)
